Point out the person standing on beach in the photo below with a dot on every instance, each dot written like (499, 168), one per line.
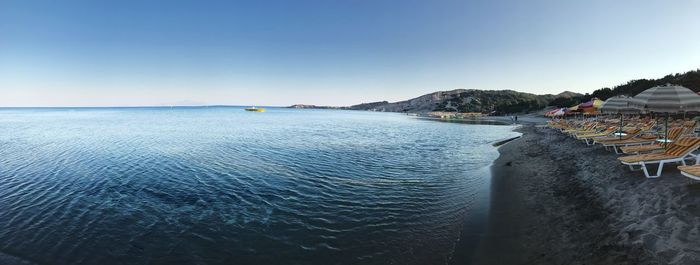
(516, 118)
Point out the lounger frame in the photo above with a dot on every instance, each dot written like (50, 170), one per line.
(643, 164)
(690, 175)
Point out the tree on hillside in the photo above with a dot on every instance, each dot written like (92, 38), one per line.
(603, 93)
(689, 79)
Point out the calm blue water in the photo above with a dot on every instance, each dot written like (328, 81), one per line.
(225, 186)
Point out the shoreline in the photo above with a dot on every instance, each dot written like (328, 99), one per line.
(554, 200)
(534, 218)
(473, 228)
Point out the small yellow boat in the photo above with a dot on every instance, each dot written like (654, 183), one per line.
(254, 109)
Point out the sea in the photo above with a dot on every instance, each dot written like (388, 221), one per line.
(220, 185)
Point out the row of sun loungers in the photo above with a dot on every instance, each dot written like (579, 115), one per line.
(674, 153)
(639, 143)
(673, 134)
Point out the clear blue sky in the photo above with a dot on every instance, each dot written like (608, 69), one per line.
(105, 53)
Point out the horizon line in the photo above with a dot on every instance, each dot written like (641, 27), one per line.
(141, 106)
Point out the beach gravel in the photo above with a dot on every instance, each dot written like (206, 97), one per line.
(556, 200)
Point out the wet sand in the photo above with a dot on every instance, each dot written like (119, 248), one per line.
(555, 200)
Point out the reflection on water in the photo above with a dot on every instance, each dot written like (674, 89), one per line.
(225, 186)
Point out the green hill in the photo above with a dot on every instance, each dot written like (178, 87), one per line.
(509, 101)
(470, 100)
(689, 79)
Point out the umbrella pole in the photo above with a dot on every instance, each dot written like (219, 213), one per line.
(666, 131)
(619, 133)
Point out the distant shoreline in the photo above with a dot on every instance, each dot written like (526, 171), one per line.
(142, 107)
(484, 120)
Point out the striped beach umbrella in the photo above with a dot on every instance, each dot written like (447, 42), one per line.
(618, 105)
(590, 107)
(667, 99)
(594, 103)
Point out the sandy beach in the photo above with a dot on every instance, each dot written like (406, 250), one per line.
(555, 200)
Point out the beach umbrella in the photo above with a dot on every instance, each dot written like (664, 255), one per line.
(667, 99)
(619, 105)
(590, 106)
(551, 112)
(597, 103)
(559, 112)
(567, 111)
(555, 112)
(572, 110)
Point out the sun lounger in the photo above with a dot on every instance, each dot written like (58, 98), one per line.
(629, 134)
(692, 172)
(690, 126)
(636, 141)
(673, 134)
(677, 152)
(586, 127)
(642, 149)
(589, 137)
(560, 125)
(597, 127)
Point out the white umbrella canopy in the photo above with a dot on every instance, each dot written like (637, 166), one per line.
(619, 105)
(667, 99)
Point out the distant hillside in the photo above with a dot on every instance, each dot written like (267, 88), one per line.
(470, 100)
(509, 101)
(368, 106)
(303, 106)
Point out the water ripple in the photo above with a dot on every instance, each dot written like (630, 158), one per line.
(222, 186)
